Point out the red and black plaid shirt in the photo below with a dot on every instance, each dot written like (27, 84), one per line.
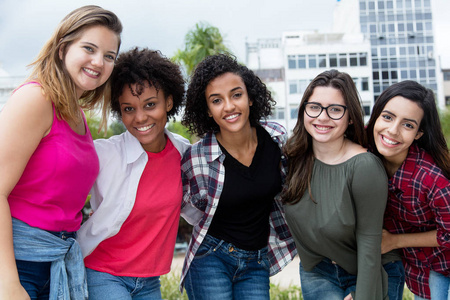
(419, 201)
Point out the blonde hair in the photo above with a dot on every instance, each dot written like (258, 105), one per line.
(49, 71)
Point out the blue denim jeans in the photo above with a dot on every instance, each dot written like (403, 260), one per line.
(439, 286)
(327, 281)
(396, 279)
(35, 276)
(105, 286)
(220, 271)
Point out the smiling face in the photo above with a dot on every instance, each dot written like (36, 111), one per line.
(89, 60)
(323, 129)
(228, 103)
(145, 115)
(396, 128)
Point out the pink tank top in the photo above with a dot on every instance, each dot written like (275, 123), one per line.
(57, 179)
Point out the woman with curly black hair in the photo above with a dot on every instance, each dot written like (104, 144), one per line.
(129, 240)
(232, 177)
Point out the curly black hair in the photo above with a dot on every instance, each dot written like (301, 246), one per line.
(196, 117)
(142, 66)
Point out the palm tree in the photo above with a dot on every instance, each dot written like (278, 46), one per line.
(200, 42)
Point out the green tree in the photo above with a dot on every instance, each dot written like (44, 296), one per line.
(201, 41)
(178, 128)
(445, 123)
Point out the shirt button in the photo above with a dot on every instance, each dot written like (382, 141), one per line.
(231, 249)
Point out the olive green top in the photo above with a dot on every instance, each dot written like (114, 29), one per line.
(344, 223)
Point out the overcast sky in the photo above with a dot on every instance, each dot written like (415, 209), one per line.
(25, 25)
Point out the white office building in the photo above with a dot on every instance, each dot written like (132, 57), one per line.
(7, 85)
(288, 65)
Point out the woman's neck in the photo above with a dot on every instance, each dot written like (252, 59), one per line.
(391, 167)
(241, 145)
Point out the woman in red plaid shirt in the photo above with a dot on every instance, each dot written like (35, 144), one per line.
(405, 132)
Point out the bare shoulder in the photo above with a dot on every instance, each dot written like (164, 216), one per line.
(29, 105)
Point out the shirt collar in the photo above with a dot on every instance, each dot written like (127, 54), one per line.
(212, 148)
(133, 148)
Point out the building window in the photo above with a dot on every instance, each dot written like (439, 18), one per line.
(353, 60)
(343, 59)
(447, 100)
(363, 59)
(312, 61)
(291, 62)
(322, 60)
(301, 59)
(294, 113)
(277, 113)
(446, 75)
(302, 85)
(333, 60)
(364, 84)
(293, 87)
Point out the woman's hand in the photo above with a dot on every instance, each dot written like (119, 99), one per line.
(14, 291)
(349, 297)
(388, 242)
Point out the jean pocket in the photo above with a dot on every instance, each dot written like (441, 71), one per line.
(204, 250)
(264, 262)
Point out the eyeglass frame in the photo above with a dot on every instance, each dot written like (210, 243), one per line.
(326, 110)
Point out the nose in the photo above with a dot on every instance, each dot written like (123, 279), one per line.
(393, 129)
(140, 116)
(323, 115)
(97, 60)
(228, 105)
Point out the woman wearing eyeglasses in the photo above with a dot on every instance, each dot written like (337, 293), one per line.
(335, 195)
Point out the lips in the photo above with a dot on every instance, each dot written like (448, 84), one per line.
(144, 128)
(91, 72)
(322, 128)
(389, 141)
(231, 117)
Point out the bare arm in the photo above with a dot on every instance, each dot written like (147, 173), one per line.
(24, 121)
(402, 240)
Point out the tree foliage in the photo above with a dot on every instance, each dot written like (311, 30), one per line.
(445, 123)
(201, 41)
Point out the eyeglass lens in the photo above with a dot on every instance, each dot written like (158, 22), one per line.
(334, 111)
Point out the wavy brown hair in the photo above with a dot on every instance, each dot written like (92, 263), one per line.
(298, 148)
(50, 72)
(432, 140)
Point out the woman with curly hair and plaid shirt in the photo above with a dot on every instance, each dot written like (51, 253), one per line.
(233, 178)
(405, 132)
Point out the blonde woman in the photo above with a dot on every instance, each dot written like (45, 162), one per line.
(48, 160)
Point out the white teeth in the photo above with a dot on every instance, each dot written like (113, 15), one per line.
(232, 117)
(91, 72)
(145, 127)
(388, 141)
(322, 128)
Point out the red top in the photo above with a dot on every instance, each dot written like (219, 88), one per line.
(145, 243)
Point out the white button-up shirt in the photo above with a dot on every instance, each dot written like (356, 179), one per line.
(122, 161)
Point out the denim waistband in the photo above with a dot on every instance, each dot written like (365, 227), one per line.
(233, 250)
(64, 235)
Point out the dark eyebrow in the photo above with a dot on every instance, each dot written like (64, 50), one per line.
(410, 120)
(232, 90)
(96, 47)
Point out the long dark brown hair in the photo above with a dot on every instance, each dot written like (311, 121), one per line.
(298, 148)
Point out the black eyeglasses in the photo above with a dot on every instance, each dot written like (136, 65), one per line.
(334, 111)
